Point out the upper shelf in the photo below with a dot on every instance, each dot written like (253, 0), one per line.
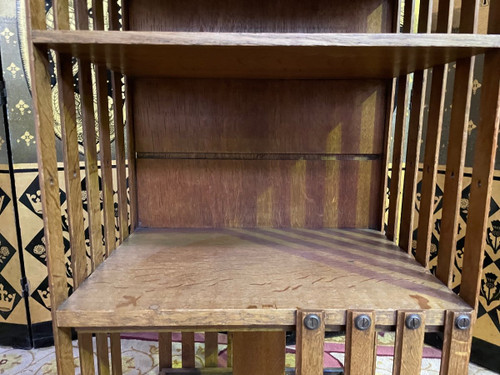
(265, 55)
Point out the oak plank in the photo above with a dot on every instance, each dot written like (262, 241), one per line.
(417, 106)
(49, 184)
(409, 345)
(131, 162)
(456, 346)
(165, 350)
(102, 351)
(360, 265)
(118, 106)
(101, 75)
(483, 168)
(188, 351)
(265, 55)
(89, 141)
(258, 353)
(457, 145)
(211, 349)
(70, 152)
(432, 141)
(86, 353)
(310, 345)
(116, 354)
(361, 346)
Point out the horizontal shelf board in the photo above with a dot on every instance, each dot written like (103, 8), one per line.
(265, 55)
(254, 156)
(228, 278)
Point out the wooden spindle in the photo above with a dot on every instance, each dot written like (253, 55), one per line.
(310, 344)
(482, 174)
(414, 137)
(432, 140)
(188, 351)
(49, 184)
(409, 345)
(456, 345)
(257, 352)
(361, 344)
(165, 350)
(457, 145)
(103, 364)
(116, 354)
(211, 349)
(86, 354)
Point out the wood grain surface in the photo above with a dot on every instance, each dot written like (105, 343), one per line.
(263, 193)
(258, 353)
(258, 277)
(360, 346)
(261, 16)
(310, 345)
(265, 55)
(409, 345)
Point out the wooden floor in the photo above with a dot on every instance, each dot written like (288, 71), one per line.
(230, 278)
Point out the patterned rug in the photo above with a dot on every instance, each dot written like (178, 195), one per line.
(140, 357)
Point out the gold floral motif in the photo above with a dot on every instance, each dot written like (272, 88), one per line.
(26, 137)
(7, 34)
(13, 69)
(471, 127)
(475, 86)
(22, 107)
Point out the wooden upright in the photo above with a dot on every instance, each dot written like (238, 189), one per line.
(252, 143)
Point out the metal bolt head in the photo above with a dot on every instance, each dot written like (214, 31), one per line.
(363, 322)
(463, 322)
(312, 321)
(413, 321)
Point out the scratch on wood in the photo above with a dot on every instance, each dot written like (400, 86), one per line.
(284, 290)
(130, 301)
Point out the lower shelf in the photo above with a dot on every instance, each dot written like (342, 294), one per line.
(228, 371)
(193, 279)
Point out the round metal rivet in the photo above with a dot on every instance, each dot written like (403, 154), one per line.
(462, 322)
(363, 322)
(413, 321)
(312, 322)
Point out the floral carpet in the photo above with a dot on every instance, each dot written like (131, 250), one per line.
(140, 357)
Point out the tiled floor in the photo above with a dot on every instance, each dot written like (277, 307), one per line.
(143, 355)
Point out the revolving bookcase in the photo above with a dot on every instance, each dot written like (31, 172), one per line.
(257, 139)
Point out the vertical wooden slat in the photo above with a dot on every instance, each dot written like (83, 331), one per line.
(456, 346)
(70, 152)
(211, 349)
(398, 145)
(409, 345)
(229, 349)
(72, 176)
(129, 127)
(457, 145)
(116, 82)
(102, 354)
(414, 136)
(89, 141)
(86, 354)
(310, 345)
(482, 175)
(131, 154)
(165, 350)
(116, 354)
(361, 346)
(260, 353)
(432, 140)
(104, 140)
(188, 357)
(394, 185)
(49, 183)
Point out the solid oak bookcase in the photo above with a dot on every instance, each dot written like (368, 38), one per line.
(257, 140)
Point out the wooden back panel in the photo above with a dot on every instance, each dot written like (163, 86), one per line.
(241, 142)
(261, 15)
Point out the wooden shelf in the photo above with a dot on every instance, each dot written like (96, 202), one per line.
(265, 55)
(228, 278)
